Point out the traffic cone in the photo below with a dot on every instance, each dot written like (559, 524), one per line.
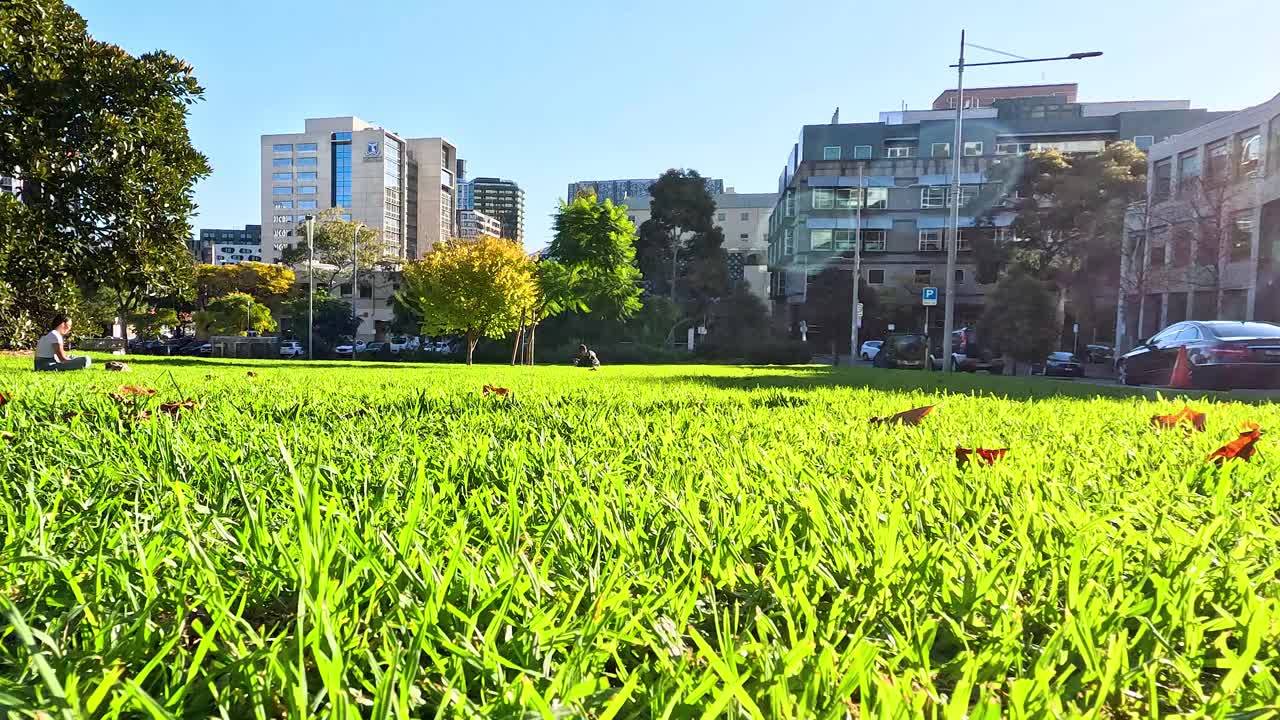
(1181, 377)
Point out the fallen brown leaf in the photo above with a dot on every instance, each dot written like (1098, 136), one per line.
(116, 366)
(251, 374)
(1243, 447)
(985, 456)
(495, 390)
(175, 408)
(1186, 415)
(4, 399)
(909, 417)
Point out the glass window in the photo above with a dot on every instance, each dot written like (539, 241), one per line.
(306, 189)
(1244, 330)
(1157, 252)
(744, 217)
(788, 242)
(875, 277)
(877, 197)
(861, 152)
(847, 198)
(873, 240)
(831, 152)
(820, 239)
(281, 177)
(1273, 146)
(282, 204)
(934, 196)
(744, 236)
(1162, 179)
(790, 203)
(1188, 168)
(1180, 242)
(823, 199)
(342, 136)
(1144, 142)
(924, 277)
(305, 147)
(281, 148)
(1219, 159)
(307, 176)
(282, 219)
(305, 162)
(719, 217)
(972, 149)
(899, 151)
(281, 162)
(940, 150)
(931, 240)
(1241, 236)
(959, 277)
(306, 204)
(282, 190)
(1249, 151)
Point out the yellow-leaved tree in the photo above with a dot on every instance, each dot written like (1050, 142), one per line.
(477, 287)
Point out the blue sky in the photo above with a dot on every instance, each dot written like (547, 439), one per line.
(546, 92)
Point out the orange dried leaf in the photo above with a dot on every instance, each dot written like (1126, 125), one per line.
(129, 391)
(985, 456)
(251, 374)
(495, 390)
(4, 399)
(1186, 415)
(1243, 447)
(910, 417)
(174, 408)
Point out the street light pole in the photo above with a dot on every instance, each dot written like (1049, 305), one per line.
(953, 242)
(857, 268)
(355, 276)
(311, 287)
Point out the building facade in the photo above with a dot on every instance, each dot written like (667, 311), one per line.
(744, 219)
(1204, 245)
(501, 199)
(401, 187)
(473, 224)
(905, 165)
(228, 247)
(10, 185)
(620, 191)
(985, 97)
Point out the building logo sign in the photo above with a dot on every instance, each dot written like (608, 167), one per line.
(373, 149)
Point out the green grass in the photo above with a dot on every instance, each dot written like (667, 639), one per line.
(351, 541)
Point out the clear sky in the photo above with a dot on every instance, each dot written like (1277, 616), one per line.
(546, 92)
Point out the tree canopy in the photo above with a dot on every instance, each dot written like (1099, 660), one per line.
(1020, 317)
(475, 287)
(266, 283)
(681, 231)
(336, 244)
(594, 243)
(234, 314)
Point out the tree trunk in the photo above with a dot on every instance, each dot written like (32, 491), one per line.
(472, 338)
(1060, 314)
(533, 335)
(515, 351)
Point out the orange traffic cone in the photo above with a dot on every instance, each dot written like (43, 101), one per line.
(1181, 376)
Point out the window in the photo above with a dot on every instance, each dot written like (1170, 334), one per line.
(283, 190)
(306, 189)
(924, 277)
(847, 198)
(1157, 252)
(631, 219)
(931, 240)
(823, 199)
(788, 242)
(341, 136)
(305, 162)
(307, 176)
(720, 217)
(281, 148)
(281, 177)
(875, 277)
(877, 197)
(1219, 159)
(744, 217)
(972, 149)
(940, 150)
(873, 240)
(899, 151)
(831, 152)
(1013, 148)
(282, 204)
(744, 236)
(1241, 237)
(959, 277)
(344, 289)
(1273, 146)
(281, 162)
(861, 152)
(1249, 152)
(305, 147)
(306, 204)
(966, 237)
(789, 204)
(934, 196)
(1144, 142)
(282, 219)
(1162, 175)
(1188, 168)
(1180, 240)
(1207, 251)
(820, 239)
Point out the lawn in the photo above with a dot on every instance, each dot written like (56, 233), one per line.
(343, 540)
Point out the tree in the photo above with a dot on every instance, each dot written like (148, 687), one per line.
(336, 244)
(475, 287)
(152, 323)
(99, 140)
(266, 283)
(829, 303)
(333, 321)
(596, 242)
(234, 314)
(737, 324)
(1019, 317)
(681, 228)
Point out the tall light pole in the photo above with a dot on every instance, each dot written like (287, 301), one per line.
(355, 275)
(311, 286)
(957, 149)
(857, 268)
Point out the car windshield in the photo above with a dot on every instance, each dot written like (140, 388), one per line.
(1243, 330)
(875, 343)
(1062, 356)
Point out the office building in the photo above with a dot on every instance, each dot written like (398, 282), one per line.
(10, 185)
(402, 187)
(1204, 246)
(985, 97)
(228, 247)
(906, 163)
(466, 195)
(622, 191)
(501, 199)
(473, 224)
(744, 219)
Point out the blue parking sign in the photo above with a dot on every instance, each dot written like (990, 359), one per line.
(929, 297)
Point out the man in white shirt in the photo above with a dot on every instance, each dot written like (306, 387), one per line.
(50, 354)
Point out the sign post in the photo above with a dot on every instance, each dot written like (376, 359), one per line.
(1075, 342)
(928, 298)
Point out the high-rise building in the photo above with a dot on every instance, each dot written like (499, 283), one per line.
(473, 224)
(620, 191)
(228, 247)
(403, 187)
(10, 185)
(501, 199)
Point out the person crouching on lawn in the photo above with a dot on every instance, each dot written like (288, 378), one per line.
(586, 358)
(50, 352)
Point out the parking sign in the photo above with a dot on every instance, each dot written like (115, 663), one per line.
(929, 297)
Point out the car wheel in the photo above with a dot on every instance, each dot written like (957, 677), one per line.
(865, 357)
(1122, 374)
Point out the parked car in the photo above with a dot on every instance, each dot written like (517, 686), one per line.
(413, 343)
(905, 351)
(1221, 355)
(373, 348)
(399, 343)
(292, 349)
(1059, 364)
(870, 349)
(1099, 353)
(969, 354)
(348, 349)
(193, 347)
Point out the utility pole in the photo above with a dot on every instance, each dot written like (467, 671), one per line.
(311, 287)
(953, 241)
(355, 276)
(857, 267)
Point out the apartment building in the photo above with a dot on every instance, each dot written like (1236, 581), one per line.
(905, 165)
(744, 219)
(473, 224)
(501, 199)
(403, 187)
(1204, 245)
(10, 185)
(621, 191)
(228, 246)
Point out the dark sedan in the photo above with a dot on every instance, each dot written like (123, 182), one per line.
(903, 352)
(1221, 355)
(1099, 353)
(1060, 364)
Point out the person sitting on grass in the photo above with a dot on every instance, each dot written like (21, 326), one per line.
(50, 354)
(586, 358)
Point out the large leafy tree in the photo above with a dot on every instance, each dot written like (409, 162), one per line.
(333, 321)
(828, 304)
(596, 242)
(336, 247)
(681, 231)
(234, 314)
(266, 283)
(1019, 317)
(478, 288)
(99, 139)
